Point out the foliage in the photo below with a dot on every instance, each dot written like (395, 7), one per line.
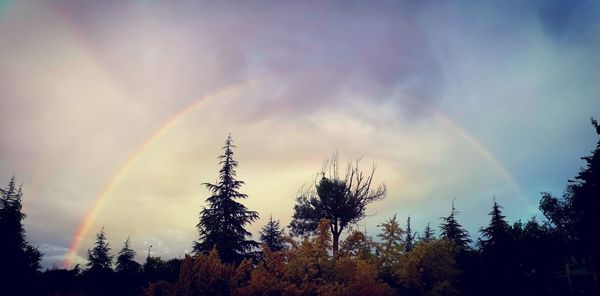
(428, 234)
(272, 235)
(409, 239)
(125, 261)
(576, 215)
(20, 260)
(99, 257)
(341, 200)
(357, 245)
(222, 222)
(452, 231)
(429, 269)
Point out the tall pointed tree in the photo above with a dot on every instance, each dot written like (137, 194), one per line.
(496, 235)
(453, 231)
(222, 223)
(272, 235)
(428, 234)
(409, 239)
(19, 259)
(99, 257)
(126, 263)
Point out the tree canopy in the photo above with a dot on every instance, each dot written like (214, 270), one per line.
(342, 200)
(222, 223)
(272, 235)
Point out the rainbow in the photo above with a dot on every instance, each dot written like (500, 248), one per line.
(100, 199)
(483, 151)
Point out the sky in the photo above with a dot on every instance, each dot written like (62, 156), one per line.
(113, 113)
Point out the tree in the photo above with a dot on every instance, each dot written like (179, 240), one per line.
(409, 239)
(272, 235)
(429, 269)
(222, 222)
(389, 250)
(496, 236)
(577, 215)
(99, 258)
(19, 259)
(453, 231)
(428, 234)
(126, 263)
(341, 200)
(498, 257)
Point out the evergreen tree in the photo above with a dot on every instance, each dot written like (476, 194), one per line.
(391, 246)
(428, 234)
(99, 258)
(498, 257)
(19, 259)
(496, 235)
(222, 222)
(272, 235)
(453, 231)
(409, 239)
(126, 263)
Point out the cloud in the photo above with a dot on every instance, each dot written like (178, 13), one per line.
(83, 85)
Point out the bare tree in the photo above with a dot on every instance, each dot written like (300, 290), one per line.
(341, 200)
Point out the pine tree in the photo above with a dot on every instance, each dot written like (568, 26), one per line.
(19, 259)
(391, 244)
(497, 234)
(222, 222)
(272, 235)
(409, 239)
(428, 234)
(453, 231)
(99, 258)
(126, 263)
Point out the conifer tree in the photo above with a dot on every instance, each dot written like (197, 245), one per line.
(222, 222)
(126, 263)
(391, 244)
(19, 259)
(497, 234)
(272, 235)
(428, 234)
(453, 231)
(409, 239)
(99, 258)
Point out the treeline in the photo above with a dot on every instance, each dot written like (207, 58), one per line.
(556, 255)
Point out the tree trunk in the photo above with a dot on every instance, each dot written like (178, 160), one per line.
(336, 241)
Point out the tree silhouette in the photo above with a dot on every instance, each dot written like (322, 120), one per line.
(272, 235)
(99, 258)
(454, 232)
(428, 234)
(222, 222)
(342, 201)
(577, 213)
(409, 239)
(498, 255)
(126, 263)
(496, 235)
(19, 259)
